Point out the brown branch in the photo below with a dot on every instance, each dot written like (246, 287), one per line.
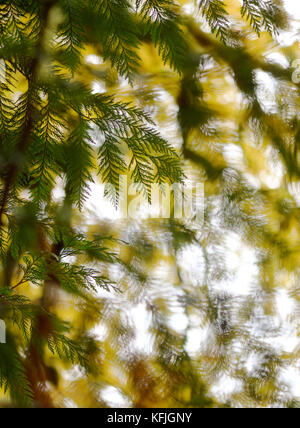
(34, 364)
(234, 57)
(18, 284)
(213, 172)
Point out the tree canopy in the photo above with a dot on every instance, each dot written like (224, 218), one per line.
(148, 312)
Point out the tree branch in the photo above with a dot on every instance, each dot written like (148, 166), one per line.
(16, 164)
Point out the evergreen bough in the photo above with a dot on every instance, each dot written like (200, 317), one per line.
(48, 132)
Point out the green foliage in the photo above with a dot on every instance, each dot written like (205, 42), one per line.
(70, 34)
(13, 376)
(41, 140)
(78, 173)
(119, 35)
(61, 276)
(162, 21)
(262, 15)
(216, 16)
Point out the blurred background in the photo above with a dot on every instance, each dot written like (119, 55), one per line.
(198, 317)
